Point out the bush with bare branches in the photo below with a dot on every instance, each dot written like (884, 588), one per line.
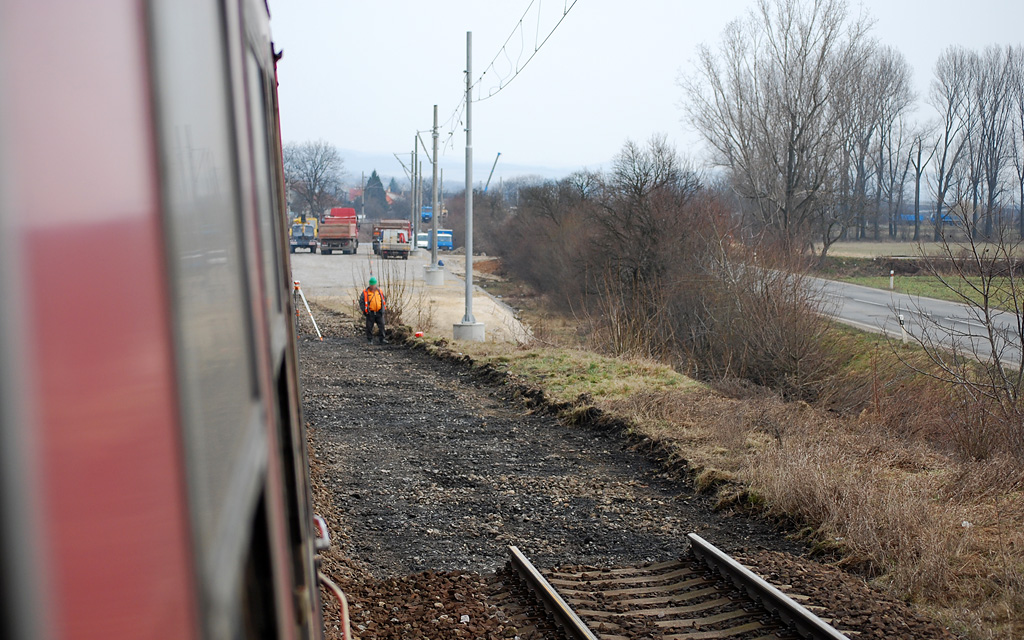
(762, 322)
(646, 259)
(979, 356)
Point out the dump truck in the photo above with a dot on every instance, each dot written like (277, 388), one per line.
(339, 230)
(303, 234)
(395, 243)
(378, 229)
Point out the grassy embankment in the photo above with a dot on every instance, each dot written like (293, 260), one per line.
(865, 263)
(877, 490)
(929, 286)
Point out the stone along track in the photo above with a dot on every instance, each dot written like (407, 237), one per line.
(431, 472)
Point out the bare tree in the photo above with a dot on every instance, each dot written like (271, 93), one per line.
(647, 187)
(1017, 129)
(643, 239)
(857, 103)
(894, 166)
(762, 103)
(948, 95)
(920, 162)
(997, 71)
(313, 171)
(971, 171)
(894, 96)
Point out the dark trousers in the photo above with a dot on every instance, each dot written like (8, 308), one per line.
(374, 318)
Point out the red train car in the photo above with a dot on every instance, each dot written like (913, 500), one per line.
(153, 480)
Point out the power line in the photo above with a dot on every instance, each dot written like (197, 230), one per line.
(514, 69)
(517, 68)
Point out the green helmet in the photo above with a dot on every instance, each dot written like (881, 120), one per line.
(373, 281)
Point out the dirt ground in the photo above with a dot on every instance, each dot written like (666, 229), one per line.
(429, 472)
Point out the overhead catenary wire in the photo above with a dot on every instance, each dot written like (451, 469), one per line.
(504, 79)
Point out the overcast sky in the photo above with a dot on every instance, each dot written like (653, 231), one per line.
(365, 75)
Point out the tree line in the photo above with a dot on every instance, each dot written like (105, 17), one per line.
(313, 172)
(650, 261)
(821, 138)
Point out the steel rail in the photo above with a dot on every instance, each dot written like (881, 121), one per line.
(564, 616)
(803, 621)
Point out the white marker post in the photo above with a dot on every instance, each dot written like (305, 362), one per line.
(892, 279)
(298, 290)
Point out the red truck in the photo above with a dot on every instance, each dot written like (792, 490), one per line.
(339, 230)
(403, 225)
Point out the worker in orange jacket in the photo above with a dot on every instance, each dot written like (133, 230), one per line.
(373, 304)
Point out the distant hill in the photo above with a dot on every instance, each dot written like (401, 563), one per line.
(387, 167)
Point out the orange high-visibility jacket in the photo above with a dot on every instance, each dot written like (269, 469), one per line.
(373, 300)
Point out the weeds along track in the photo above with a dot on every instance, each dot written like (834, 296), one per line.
(704, 595)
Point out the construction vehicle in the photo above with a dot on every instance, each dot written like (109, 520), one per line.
(339, 231)
(378, 229)
(395, 243)
(444, 240)
(304, 233)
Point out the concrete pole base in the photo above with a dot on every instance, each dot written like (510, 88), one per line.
(472, 331)
(434, 277)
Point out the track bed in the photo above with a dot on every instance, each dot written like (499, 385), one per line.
(431, 471)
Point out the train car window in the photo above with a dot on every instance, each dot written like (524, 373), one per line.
(265, 200)
(223, 431)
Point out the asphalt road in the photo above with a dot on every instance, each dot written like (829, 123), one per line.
(947, 323)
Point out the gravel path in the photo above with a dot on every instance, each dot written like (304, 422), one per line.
(431, 469)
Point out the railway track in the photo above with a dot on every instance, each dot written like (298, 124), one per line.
(703, 596)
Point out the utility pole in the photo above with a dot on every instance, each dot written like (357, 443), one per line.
(469, 328)
(415, 194)
(362, 197)
(433, 275)
(433, 203)
(419, 199)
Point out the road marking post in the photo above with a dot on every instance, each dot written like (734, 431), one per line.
(892, 279)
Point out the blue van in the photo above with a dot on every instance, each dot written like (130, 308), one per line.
(444, 240)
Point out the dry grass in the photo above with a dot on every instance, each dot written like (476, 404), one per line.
(860, 249)
(944, 533)
(423, 311)
(566, 374)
